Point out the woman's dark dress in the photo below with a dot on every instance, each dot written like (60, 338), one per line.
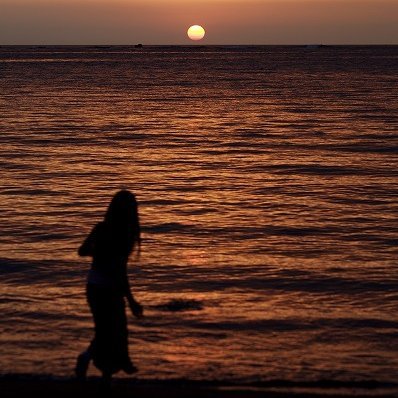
(106, 290)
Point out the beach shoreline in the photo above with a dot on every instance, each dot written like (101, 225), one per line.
(12, 386)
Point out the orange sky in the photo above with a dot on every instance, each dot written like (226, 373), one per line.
(226, 22)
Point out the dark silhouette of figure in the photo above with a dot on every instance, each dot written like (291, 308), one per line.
(109, 244)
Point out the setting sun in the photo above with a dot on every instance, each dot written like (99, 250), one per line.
(196, 32)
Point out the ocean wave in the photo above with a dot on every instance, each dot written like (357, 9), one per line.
(178, 305)
(294, 324)
(207, 278)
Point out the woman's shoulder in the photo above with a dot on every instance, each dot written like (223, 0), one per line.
(102, 229)
(98, 230)
(99, 225)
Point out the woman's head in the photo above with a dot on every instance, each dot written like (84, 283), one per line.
(122, 218)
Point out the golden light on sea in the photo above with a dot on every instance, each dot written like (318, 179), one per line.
(196, 32)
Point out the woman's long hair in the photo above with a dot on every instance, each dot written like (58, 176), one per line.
(123, 221)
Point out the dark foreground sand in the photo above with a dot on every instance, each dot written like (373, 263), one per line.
(11, 386)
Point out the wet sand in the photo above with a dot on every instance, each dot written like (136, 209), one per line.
(46, 387)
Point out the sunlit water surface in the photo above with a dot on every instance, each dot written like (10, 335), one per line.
(267, 183)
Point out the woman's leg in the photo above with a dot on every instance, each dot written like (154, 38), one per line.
(106, 381)
(110, 346)
(83, 362)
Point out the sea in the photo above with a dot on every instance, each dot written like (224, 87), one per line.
(267, 183)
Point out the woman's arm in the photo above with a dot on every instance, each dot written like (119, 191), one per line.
(136, 308)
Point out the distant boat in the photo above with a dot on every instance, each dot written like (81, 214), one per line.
(315, 46)
(138, 45)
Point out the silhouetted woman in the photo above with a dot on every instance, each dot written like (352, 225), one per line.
(109, 244)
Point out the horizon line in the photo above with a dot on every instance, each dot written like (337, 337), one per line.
(200, 45)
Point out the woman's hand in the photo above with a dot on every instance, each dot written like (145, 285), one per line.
(136, 308)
